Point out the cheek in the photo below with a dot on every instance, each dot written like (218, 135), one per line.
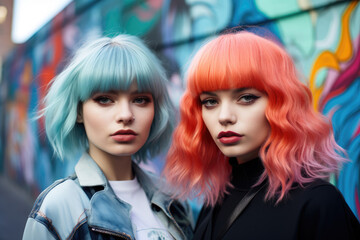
(266, 129)
(209, 122)
(262, 126)
(150, 119)
(89, 117)
(204, 118)
(92, 122)
(95, 119)
(146, 116)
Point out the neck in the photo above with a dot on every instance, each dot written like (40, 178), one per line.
(248, 157)
(245, 175)
(115, 168)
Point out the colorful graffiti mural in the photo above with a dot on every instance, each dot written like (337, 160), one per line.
(323, 36)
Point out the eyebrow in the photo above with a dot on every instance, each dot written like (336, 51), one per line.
(208, 93)
(242, 89)
(236, 91)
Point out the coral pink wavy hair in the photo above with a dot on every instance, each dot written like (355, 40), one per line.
(300, 147)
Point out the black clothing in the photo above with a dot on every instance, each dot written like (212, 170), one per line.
(317, 211)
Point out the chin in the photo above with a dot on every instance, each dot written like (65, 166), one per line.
(231, 154)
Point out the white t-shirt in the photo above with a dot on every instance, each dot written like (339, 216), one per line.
(147, 225)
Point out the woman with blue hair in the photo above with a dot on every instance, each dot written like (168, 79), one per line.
(111, 104)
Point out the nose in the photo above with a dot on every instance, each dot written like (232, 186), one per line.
(226, 114)
(124, 113)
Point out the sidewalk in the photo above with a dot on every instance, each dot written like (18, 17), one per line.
(15, 206)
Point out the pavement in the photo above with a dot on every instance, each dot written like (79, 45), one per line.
(15, 206)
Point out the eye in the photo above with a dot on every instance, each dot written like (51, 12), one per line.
(103, 100)
(247, 99)
(142, 100)
(209, 102)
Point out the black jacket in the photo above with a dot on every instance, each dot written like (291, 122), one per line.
(317, 211)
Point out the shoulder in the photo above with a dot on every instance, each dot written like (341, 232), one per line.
(321, 193)
(320, 197)
(61, 206)
(62, 193)
(325, 212)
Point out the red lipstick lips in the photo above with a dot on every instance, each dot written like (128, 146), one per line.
(124, 135)
(229, 137)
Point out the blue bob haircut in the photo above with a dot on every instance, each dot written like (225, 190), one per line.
(103, 65)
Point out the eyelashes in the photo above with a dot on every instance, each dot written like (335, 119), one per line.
(107, 100)
(103, 100)
(142, 100)
(209, 102)
(248, 98)
(245, 99)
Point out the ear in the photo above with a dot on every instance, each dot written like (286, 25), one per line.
(79, 117)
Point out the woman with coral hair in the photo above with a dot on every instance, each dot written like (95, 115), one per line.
(250, 144)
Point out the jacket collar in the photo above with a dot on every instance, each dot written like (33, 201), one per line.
(106, 214)
(103, 204)
(89, 173)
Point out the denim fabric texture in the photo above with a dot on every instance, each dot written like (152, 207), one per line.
(84, 206)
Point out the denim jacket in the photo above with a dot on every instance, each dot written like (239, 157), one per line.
(84, 206)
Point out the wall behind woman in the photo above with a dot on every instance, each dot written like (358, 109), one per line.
(323, 36)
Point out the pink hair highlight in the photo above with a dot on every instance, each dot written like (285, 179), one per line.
(301, 146)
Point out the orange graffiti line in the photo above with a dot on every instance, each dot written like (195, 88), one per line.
(316, 97)
(58, 49)
(46, 74)
(344, 50)
(49, 71)
(325, 59)
(57, 39)
(27, 74)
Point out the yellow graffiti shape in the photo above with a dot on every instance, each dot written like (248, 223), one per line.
(344, 50)
(327, 59)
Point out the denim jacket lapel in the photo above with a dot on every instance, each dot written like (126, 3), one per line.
(107, 213)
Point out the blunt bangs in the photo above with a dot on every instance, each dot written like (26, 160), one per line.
(300, 147)
(103, 65)
(113, 67)
(217, 66)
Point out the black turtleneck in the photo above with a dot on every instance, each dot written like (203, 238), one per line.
(317, 211)
(243, 177)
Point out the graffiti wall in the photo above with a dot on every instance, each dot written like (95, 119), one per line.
(323, 36)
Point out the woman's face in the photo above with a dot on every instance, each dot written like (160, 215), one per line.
(117, 123)
(236, 121)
